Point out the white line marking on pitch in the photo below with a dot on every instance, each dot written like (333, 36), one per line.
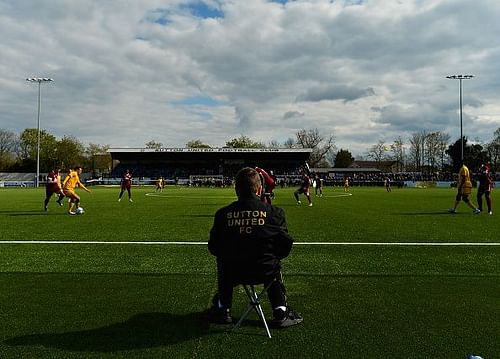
(451, 244)
(188, 196)
(339, 195)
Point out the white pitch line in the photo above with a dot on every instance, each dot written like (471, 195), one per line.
(339, 195)
(188, 196)
(451, 244)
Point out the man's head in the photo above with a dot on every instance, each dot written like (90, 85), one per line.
(78, 169)
(248, 182)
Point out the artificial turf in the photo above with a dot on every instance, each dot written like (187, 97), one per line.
(146, 300)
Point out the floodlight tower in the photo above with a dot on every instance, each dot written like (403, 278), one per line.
(38, 80)
(460, 78)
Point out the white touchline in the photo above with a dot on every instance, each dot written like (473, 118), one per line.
(451, 244)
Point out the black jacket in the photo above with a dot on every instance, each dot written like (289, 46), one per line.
(250, 236)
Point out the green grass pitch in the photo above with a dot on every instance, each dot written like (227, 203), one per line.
(360, 299)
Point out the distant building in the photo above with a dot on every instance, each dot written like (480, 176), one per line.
(384, 166)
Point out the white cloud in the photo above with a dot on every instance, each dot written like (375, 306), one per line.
(362, 70)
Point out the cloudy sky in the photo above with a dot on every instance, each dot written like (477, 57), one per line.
(126, 72)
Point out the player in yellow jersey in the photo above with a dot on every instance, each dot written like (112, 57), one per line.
(160, 184)
(72, 181)
(464, 189)
(346, 184)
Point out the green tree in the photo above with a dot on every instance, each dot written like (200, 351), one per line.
(28, 144)
(343, 159)
(71, 152)
(474, 155)
(197, 144)
(244, 142)
(99, 158)
(154, 145)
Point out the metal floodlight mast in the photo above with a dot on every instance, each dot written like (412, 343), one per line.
(38, 80)
(460, 78)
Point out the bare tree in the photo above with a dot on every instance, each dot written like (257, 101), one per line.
(320, 145)
(9, 142)
(378, 152)
(290, 143)
(443, 143)
(415, 155)
(493, 149)
(397, 148)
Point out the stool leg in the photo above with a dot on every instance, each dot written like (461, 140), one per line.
(255, 304)
(258, 309)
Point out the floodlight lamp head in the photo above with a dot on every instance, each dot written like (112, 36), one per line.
(460, 77)
(39, 79)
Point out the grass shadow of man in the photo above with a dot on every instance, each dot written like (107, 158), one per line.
(141, 331)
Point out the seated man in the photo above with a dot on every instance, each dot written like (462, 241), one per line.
(249, 238)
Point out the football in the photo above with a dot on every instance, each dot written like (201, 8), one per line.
(80, 210)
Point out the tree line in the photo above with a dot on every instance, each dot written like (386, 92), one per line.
(430, 152)
(18, 152)
(426, 152)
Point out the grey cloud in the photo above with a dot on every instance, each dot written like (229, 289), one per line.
(345, 93)
(244, 118)
(292, 114)
(118, 73)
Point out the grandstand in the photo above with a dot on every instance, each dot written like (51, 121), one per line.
(183, 163)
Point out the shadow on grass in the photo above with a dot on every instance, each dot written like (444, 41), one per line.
(440, 213)
(14, 213)
(146, 330)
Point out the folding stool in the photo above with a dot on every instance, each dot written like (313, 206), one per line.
(254, 304)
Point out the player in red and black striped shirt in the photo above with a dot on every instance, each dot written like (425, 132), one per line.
(268, 184)
(304, 189)
(126, 184)
(53, 186)
(484, 187)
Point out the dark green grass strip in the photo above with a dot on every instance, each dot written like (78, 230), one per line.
(110, 315)
(111, 301)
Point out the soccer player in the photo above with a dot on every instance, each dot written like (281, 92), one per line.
(318, 190)
(126, 184)
(160, 183)
(72, 181)
(346, 184)
(304, 188)
(249, 238)
(53, 186)
(484, 187)
(268, 184)
(464, 189)
(387, 184)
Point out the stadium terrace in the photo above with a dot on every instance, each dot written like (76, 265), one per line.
(185, 162)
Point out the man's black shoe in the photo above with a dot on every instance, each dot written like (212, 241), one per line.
(219, 315)
(283, 319)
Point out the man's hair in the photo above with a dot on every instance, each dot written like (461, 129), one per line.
(247, 182)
